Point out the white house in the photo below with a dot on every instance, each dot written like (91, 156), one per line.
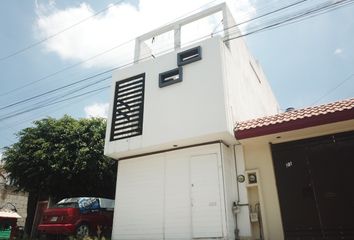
(171, 127)
(304, 164)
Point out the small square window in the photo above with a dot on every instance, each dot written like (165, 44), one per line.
(189, 56)
(170, 77)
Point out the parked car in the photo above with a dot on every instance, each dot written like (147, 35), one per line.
(80, 216)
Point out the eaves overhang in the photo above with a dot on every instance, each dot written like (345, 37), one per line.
(297, 119)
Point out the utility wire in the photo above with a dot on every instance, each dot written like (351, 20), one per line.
(110, 70)
(93, 57)
(67, 68)
(45, 112)
(57, 33)
(10, 105)
(235, 38)
(90, 58)
(52, 99)
(22, 111)
(288, 20)
(271, 12)
(55, 90)
(350, 77)
(63, 100)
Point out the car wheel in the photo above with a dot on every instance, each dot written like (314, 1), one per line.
(82, 230)
(42, 236)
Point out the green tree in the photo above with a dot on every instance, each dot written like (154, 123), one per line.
(62, 158)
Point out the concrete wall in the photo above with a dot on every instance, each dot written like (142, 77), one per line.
(246, 87)
(257, 155)
(19, 199)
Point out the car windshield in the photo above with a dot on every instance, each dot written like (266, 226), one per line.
(67, 205)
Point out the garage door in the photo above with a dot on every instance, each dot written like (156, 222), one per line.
(138, 212)
(315, 187)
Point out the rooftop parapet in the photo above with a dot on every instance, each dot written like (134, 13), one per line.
(227, 21)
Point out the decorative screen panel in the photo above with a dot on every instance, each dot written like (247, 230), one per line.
(128, 108)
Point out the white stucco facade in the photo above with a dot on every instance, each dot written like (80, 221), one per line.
(216, 92)
(177, 177)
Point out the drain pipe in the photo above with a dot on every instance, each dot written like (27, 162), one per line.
(235, 208)
(235, 211)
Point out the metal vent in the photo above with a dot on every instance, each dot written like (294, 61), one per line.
(128, 108)
(170, 77)
(189, 56)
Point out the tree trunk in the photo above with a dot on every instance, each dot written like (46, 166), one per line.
(31, 209)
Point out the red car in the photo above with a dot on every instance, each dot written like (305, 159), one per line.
(79, 216)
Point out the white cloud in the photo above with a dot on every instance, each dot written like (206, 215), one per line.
(118, 24)
(338, 51)
(97, 110)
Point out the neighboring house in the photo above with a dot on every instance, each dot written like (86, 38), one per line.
(304, 163)
(171, 126)
(10, 198)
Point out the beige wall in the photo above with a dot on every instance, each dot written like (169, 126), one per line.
(19, 199)
(257, 155)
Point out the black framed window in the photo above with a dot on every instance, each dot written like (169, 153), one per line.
(128, 108)
(170, 77)
(189, 56)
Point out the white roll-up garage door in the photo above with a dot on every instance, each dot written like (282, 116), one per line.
(168, 196)
(138, 210)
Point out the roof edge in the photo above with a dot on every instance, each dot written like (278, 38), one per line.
(296, 124)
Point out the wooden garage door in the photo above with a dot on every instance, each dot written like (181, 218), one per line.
(315, 187)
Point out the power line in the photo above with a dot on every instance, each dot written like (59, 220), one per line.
(49, 100)
(95, 56)
(292, 19)
(64, 69)
(88, 59)
(54, 90)
(69, 85)
(57, 33)
(272, 25)
(31, 98)
(271, 12)
(49, 104)
(22, 111)
(34, 116)
(334, 88)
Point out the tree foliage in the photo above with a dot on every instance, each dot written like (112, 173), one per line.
(62, 158)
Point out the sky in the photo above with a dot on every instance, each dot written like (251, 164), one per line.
(46, 44)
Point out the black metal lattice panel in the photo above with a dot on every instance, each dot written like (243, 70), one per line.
(128, 108)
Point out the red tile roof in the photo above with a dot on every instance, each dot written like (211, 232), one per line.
(296, 119)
